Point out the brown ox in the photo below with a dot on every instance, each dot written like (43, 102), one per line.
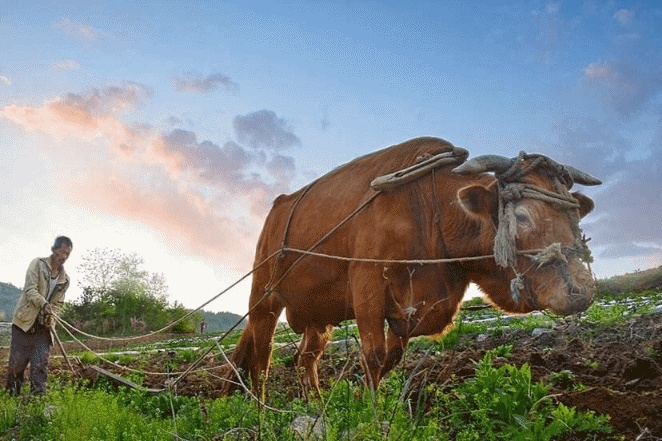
(340, 249)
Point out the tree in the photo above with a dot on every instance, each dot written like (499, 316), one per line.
(104, 269)
(120, 297)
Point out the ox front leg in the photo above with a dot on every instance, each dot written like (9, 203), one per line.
(369, 296)
(395, 349)
(374, 353)
(311, 350)
(373, 344)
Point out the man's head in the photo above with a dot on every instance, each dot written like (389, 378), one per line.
(61, 249)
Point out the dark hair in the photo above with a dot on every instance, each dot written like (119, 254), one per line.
(62, 241)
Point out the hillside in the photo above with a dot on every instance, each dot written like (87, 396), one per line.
(220, 321)
(8, 298)
(638, 281)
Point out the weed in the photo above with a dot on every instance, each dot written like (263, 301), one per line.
(564, 379)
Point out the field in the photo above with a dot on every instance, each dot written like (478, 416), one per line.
(608, 361)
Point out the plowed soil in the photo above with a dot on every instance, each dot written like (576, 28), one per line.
(616, 370)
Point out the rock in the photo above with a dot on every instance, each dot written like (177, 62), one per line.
(307, 427)
(49, 411)
(537, 332)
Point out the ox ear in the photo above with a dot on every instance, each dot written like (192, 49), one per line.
(478, 201)
(586, 204)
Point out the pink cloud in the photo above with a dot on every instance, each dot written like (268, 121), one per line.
(210, 199)
(194, 224)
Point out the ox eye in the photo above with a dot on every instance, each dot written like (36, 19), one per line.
(522, 219)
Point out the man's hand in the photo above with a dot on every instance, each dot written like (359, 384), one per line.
(47, 312)
(47, 309)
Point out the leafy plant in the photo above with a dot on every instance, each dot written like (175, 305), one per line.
(564, 379)
(504, 404)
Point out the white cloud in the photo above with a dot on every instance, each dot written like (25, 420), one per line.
(83, 31)
(66, 65)
(624, 16)
(599, 69)
(630, 88)
(553, 8)
(5, 80)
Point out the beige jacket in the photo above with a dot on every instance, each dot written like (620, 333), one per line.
(35, 291)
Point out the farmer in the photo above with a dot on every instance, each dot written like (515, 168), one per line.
(46, 282)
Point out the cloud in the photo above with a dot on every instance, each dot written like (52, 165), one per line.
(544, 39)
(4, 79)
(67, 65)
(192, 83)
(627, 249)
(173, 121)
(628, 87)
(90, 117)
(83, 31)
(264, 130)
(210, 199)
(624, 16)
(88, 108)
(190, 221)
(628, 203)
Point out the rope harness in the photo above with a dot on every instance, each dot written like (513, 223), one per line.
(510, 191)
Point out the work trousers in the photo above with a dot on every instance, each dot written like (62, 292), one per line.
(31, 347)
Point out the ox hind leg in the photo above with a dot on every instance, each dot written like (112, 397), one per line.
(308, 355)
(252, 354)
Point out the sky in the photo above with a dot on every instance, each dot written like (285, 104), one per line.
(166, 129)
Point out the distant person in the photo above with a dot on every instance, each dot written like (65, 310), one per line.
(203, 327)
(46, 282)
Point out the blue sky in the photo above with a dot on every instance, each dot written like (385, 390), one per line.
(167, 128)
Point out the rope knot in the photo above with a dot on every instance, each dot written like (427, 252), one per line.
(513, 191)
(516, 287)
(553, 253)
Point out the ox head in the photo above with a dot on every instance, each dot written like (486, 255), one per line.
(537, 241)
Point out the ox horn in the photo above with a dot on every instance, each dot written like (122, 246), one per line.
(485, 163)
(582, 178)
